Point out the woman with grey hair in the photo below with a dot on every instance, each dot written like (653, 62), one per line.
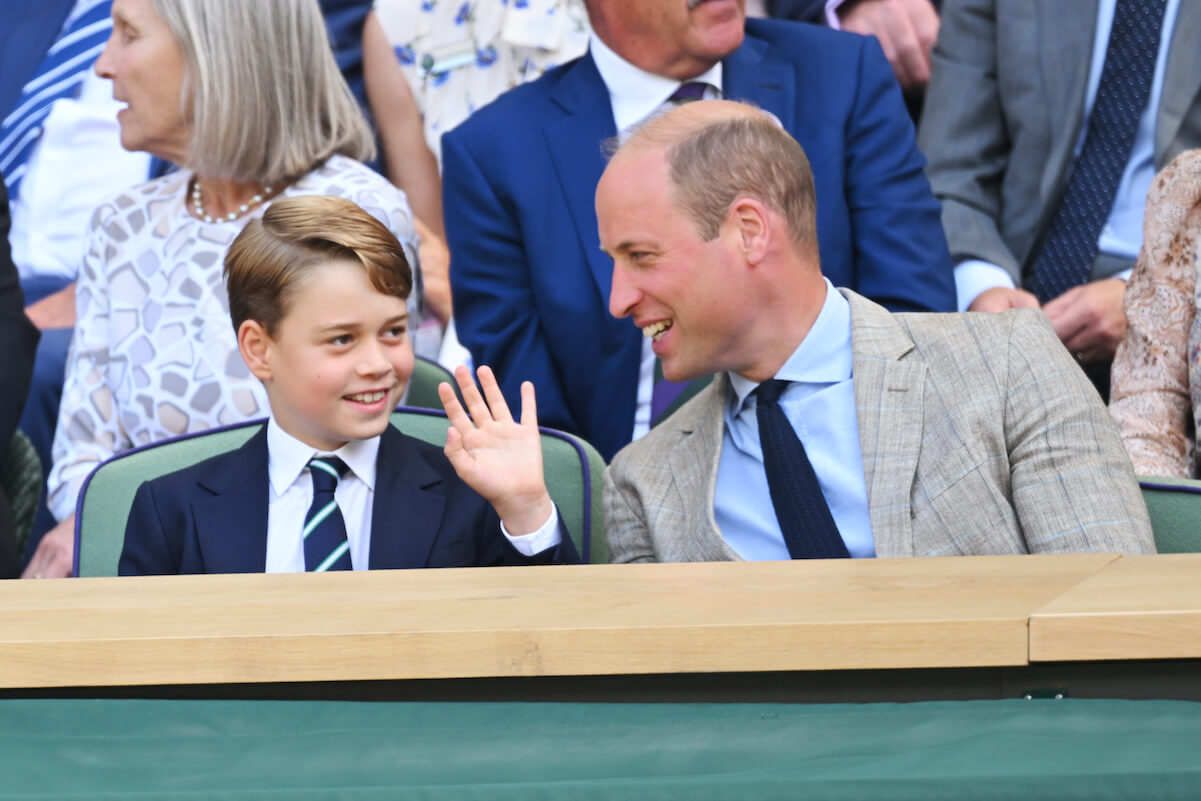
(247, 99)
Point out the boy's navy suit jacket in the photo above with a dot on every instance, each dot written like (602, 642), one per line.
(212, 517)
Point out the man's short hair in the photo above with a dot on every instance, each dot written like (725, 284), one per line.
(714, 161)
(270, 258)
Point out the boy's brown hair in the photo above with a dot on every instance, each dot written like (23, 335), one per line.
(268, 261)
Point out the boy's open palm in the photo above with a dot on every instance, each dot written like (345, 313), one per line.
(495, 455)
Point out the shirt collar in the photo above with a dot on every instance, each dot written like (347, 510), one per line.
(823, 357)
(635, 93)
(287, 457)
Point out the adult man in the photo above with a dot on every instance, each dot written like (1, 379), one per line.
(919, 434)
(531, 287)
(1045, 123)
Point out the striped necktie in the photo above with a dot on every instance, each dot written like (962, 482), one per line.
(58, 76)
(325, 543)
(1070, 248)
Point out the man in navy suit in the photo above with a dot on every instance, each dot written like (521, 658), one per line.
(317, 292)
(530, 284)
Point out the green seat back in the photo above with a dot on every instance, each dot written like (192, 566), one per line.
(573, 469)
(423, 384)
(1175, 508)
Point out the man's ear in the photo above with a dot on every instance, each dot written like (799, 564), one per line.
(255, 344)
(750, 220)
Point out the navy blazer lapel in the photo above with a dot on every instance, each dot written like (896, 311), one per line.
(750, 73)
(575, 142)
(407, 514)
(231, 524)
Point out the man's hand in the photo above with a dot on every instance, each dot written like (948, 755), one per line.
(55, 556)
(54, 311)
(496, 456)
(1003, 298)
(1089, 318)
(906, 30)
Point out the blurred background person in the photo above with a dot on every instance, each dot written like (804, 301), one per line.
(248, 100)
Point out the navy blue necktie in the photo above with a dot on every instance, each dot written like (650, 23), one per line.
(801, 509)
(325, 543)
(1070, 248)
(58, 76)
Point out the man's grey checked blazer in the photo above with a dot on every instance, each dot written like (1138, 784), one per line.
(979, 433)
(1005, 108)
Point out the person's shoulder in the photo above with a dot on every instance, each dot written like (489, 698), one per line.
(525, 103)
(789, 34)
(186, 482)
(702, 410)
(131, 208)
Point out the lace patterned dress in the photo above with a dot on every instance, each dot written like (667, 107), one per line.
(1156, 382)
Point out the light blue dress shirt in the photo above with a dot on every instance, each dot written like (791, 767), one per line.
(821, 407)
(1122, 235)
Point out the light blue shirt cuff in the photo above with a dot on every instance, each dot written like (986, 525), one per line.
(832, 19)
(546, 536)
(974, 276)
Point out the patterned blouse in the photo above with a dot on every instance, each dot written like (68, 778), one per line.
(458, 55)
(154, 353)
(1155, 396)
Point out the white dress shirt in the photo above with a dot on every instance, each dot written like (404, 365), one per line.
(77, 163)
(291, 489)
(635, 94)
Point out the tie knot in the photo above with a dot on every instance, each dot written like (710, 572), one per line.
(688, 92)
(326, 472)
(771, 390)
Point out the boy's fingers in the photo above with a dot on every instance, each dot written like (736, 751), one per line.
(529, 407)
(454, 410)
(492, 393)
(471, 396)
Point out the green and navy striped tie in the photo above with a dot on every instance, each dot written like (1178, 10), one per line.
(325, 543)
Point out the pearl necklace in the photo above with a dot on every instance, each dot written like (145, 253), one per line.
(198, 204)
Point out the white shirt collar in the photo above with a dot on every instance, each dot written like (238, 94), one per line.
(635, 93)
(287, 457)
(824, 356)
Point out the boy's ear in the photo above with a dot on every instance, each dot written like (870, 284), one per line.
(254, 343)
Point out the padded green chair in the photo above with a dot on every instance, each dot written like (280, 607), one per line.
(1175, 508)
(573, 469)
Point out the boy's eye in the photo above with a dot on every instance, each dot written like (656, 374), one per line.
(341, 339)
(395, 332)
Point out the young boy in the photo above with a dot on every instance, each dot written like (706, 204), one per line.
(317, 292)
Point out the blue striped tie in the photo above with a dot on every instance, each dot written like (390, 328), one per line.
(325, 543)
(58, 76)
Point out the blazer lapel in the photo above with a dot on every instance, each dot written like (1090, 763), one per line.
(406, 515)
(575, 143)
(749, 73)
(1182, 79)
(888, 404)
(693, 463)
(1066, 30)
(231, 523)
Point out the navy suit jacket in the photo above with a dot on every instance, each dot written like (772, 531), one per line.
(212, 517)
(29, 30)
(18, 336)
(531, 286)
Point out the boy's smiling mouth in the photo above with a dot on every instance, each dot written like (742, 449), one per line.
(368, 397)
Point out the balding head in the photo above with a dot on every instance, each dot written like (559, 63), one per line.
(718, 150)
